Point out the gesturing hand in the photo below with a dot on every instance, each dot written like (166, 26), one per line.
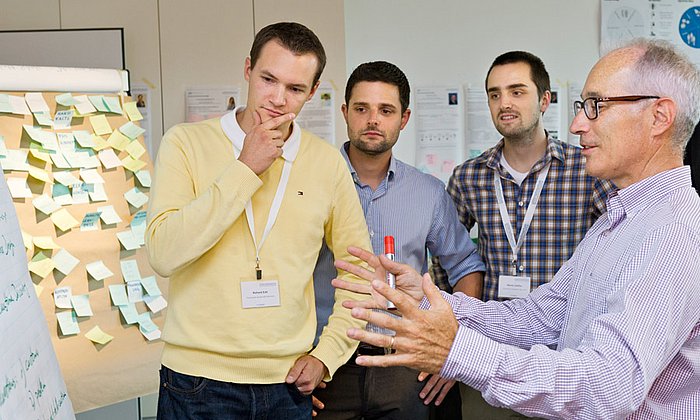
(263, 143)
(423, 337)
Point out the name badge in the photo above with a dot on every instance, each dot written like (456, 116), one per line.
(260, 294)
(513, 286)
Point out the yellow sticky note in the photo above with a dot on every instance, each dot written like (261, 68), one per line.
(27, 239)
(45, 242)
(40, 174)
(40, 155)
(98, 336)
(63, 220)
(38, 289)
(135, 149)
(100, 143)
(118, 140)
(132, 164)
(133, 112)
(41, 268)
(100, 124)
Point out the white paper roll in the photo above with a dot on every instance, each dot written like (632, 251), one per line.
(62, 79)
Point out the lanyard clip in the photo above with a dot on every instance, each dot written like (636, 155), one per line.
(258, 271)
(514, 261)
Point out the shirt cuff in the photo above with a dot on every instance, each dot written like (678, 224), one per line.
(472, 360)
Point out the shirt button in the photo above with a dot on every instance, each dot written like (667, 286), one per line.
(371, 233)
(520, 203)
(521, 268)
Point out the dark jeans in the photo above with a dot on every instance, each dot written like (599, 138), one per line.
(190, 397)
(372, 393)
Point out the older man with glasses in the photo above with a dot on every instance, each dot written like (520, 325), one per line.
(624, 312)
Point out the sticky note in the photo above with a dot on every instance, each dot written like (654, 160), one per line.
(43, 118)
(66, 178)
(90, 176)
(65, 262)
(45, 242)
(130, 271)
(42, 156)
(135, 150)
(109, 159)
(59, 160)
(132, 111)
(131, 130)
(118, 141)
(83, 106)
(27, 239)
(112, 103)
(128, 240)
(96, 335)
(90, 221)
(98, 193)
(80, 193)
(19, 106)
(134, 291)
(84, 138)
(146, 324)
(118, 294)
(135, 197)
(45, 204)
(99, 103)
(66, 142)
(63, 220)
(134, 165)
(100, 143)
(98, 270)
(66, 99)
(100, 124)
(149, 283)
(108, 215)
(40, 174)
(131, 316)
(155, 303)
(62, 119)
(68, 323)
(62, 296)
(81, 305)
(15, 160)
(36, 102)
(18, 187)
(41, 265)
(144, 177)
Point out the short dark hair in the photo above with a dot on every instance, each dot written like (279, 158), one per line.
(538, 73)
(293, 36)
(380, 71)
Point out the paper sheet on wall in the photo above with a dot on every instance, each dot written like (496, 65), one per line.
(202, 103)
(574, 94)
(676, 21)
(318, 115)
(481, 134)
(142, 95)
(31, 385)
(552, 117)
(439, 121)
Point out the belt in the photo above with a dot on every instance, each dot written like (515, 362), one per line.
(369, 350)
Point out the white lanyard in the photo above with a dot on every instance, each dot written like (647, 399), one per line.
(529, 213)
(274, 211)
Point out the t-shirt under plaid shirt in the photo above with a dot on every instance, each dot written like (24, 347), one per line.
(569, 204)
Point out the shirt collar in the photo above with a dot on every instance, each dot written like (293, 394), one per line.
(554, 150)
(649, 190)
(344, 151)
(235, 133)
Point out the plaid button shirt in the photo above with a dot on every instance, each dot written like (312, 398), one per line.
(569, 204)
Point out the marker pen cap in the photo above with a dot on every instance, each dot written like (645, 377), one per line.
(389, 245)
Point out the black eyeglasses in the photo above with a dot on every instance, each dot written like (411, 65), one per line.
(590, 105)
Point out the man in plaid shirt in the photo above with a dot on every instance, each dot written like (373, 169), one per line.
(529, 194)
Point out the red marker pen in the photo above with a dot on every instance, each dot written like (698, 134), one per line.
(389, 253)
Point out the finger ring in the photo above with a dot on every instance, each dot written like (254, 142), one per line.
(391, 345)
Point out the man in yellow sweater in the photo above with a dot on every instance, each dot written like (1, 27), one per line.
(239, 208)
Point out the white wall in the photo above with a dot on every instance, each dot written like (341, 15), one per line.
(455, 41)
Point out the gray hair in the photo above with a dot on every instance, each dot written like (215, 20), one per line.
(663, 71)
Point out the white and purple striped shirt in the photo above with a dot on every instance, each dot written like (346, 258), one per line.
(623, 313)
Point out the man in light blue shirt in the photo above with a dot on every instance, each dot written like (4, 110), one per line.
(414, 208)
